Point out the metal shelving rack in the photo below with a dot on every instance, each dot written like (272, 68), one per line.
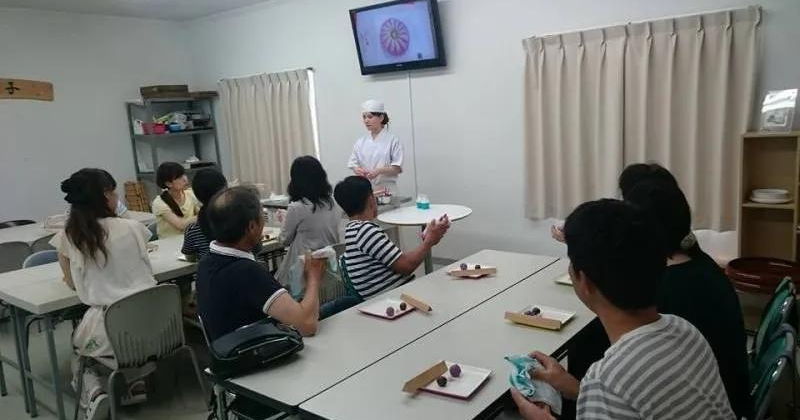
(149, 108)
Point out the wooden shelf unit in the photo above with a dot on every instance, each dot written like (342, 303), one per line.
(769, 160)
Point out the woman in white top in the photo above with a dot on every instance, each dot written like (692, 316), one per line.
(104, 258)
(378, 156)
(312, 219)
(177, 207)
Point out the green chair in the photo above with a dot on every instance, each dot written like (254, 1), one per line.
(777, 312)
(772, 362)
(349, 299)
(346, 277)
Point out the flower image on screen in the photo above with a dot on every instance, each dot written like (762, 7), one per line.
(395, 34)
(394, 37)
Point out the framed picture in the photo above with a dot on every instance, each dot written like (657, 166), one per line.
(777, 111)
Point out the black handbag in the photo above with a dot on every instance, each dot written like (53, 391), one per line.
(253, 347)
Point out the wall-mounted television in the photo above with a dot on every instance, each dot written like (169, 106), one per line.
(398, 35)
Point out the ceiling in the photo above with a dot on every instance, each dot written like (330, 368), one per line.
(154, 9)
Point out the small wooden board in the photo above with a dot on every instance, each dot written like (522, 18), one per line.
(422, 306)
(26, 89)
(473, 272)
(534, 321)
(426, 377)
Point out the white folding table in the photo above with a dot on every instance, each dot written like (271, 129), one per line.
(351, 341)
(35, 231)
(480, 337)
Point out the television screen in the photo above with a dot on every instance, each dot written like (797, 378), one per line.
(398, 35)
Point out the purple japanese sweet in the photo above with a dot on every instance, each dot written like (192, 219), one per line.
(463, 266)
(390, 311)
(441, 381)
(455, 371)
(403, 306)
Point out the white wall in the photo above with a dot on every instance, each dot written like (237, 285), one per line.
(96, 63)
(468, 116)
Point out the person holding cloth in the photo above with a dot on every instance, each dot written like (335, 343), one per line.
(377, 156)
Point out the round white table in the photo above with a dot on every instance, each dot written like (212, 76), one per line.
(412, 216)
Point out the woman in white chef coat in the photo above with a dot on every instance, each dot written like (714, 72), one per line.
(377, 156)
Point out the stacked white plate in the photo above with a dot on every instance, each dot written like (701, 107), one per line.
(770, 196)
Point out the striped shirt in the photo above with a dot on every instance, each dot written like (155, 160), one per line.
(660, 371)
(195, 242)
(369, 255)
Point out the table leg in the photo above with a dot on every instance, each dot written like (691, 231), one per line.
(18, 344)
(428, 259)
(57, 386)
(219, 393)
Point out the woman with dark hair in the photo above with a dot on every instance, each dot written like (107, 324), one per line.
(104, 259)
(377, 156)
(693, 286)
(312, 219)
(197, 237)
(176, 207)
(638, 172)
(630, 176)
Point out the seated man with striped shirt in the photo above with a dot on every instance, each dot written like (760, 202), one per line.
(658, 367)
(373, 262)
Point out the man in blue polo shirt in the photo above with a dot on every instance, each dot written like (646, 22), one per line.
(233, 290)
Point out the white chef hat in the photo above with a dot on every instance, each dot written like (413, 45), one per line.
(372, 105)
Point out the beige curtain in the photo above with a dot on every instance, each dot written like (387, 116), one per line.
(678, 92)
(573, 118)
(268, 122)
(689, 92)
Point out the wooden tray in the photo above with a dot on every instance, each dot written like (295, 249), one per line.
(549, 318)
(471, 272)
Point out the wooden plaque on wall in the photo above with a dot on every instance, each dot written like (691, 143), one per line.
(26, 89)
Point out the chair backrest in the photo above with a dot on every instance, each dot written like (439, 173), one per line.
(333, 286)
(339, 248)
(40, 258)
(12, 255)
(205, 336)
(42, 244)
(153, 231)
(777, 355)
(145, 326)
(777, 312)
(12, 223)
(346, 277)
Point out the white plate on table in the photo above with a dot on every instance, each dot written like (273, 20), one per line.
(550, 313)
(377, 307)
(564, 280)
(463, 387)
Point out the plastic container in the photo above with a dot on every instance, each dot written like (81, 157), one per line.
(423, 203)
(154, 128)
